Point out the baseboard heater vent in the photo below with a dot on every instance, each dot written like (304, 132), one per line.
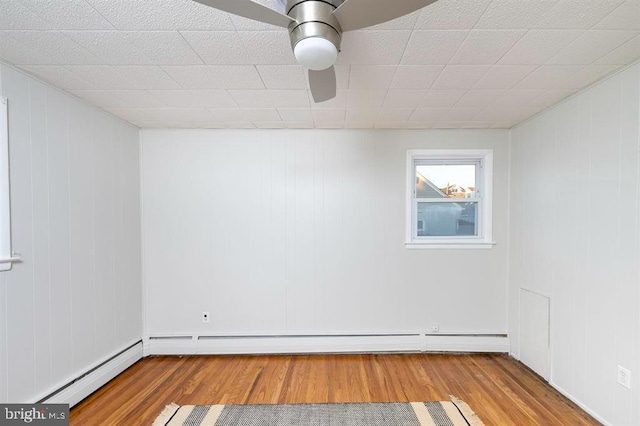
(302, 336)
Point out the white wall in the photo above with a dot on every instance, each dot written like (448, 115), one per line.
(302, 232)
(575, 235)
(75, 299)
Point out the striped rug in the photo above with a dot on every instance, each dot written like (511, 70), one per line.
(444, 413)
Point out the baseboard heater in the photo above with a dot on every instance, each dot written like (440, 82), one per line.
(77, 389)
(313, 343)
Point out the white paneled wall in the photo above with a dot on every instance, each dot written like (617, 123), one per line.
(295, 232)
(75, 298)
(574, 236)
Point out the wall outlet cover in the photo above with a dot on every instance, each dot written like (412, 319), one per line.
(624, 377)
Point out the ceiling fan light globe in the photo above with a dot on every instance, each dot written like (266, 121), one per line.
(315, 53)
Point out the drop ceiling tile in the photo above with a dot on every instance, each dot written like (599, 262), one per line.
(130, 77)
(111, 47)
(504, 76)
(505, 114)
(137, 99)
(295, 114)
(238, 115)
(252, 98)
(448, 125)
(486, 46)
(459, 114)
(418, 125)
(441, 98)
(164, 47)
(162, 15)
(625, 54)
(548, 76)
(59, 76)
(625, 17)
(42, 48)
(510, 14)
(451, 15)
(432, 47)
(586, 76)
(194, 98)
(362, 115)
(460, 76)
(406, 22)
(416, 76)
(373, 47)
(329, 125)
(479, 98)
(15, 16)
(579, 14)
(69, 14)
(404, 98)
(283, 76)
(340, 101)
(427, 114)
(100, 98)
(130, 114)
(179, 114)
(538, 46)
(289, 98)
(550, 98)
(299, 124)
(328, 115)
(365, 98)
(269, 125)
(371, 76)
(394, 115)
(592, 45)
(359, 125)
(477, 125)
(216, 76)
(217, 47)
(516, 98)
(389, 125)
(268, 47)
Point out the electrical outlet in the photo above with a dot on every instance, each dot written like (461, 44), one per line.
(624, 377)
(205, 317)
(435, 328)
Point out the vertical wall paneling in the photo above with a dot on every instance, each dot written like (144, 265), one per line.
(302, 232)
(575, 237)
(75, 297)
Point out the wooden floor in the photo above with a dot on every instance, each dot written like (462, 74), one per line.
(500, 390)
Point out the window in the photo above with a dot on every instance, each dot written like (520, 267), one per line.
(449, 198)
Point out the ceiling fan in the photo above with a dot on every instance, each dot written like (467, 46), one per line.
(316, 27)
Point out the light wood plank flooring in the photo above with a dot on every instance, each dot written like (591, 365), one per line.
(499, 389)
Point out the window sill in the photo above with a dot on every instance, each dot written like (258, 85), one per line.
(452, 245)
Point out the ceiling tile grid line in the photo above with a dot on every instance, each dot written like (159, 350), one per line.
(455, 63)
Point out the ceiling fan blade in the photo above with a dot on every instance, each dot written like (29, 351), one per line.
(323, 84)
(356, 14)
(252, 10)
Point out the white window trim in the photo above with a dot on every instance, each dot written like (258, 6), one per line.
(6, 256)
(485, 240)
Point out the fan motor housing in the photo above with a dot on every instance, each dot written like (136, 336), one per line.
(314, 18)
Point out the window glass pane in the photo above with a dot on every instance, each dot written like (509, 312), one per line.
(446, 181)
(447, 219)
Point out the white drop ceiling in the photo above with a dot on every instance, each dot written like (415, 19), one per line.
(455, 64)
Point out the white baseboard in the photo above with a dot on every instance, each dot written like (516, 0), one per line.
(93, 381)
(220, 345)
(580, 404)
